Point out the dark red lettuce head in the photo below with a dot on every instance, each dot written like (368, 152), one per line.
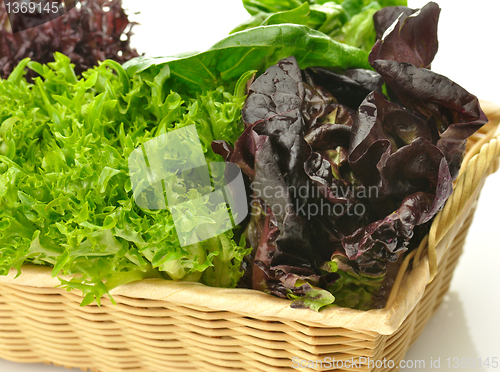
(94, 31)
(343, 180)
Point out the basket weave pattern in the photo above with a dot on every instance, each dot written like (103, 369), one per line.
(158, 327)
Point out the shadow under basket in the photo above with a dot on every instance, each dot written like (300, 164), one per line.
(159, 325)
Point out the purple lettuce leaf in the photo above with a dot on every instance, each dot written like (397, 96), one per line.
(272, 151)
(273, 109)
(277, 91)
(455, 112)
(412, 38)
(394, 151)
(288, 279)
(244, 151)
(349, 87)
(222, 148)
(382, 126)
(328, 136)
(385, 17)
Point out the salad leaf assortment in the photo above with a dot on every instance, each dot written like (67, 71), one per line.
(347, 155)
(66, 194)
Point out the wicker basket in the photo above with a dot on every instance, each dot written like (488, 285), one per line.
(159, 325)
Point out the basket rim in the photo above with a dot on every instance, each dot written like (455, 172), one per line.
(248, 302)
(253, 303)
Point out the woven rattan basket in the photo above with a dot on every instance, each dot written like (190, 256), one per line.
(159, 325)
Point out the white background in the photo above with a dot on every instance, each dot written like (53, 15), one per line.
(467, 324)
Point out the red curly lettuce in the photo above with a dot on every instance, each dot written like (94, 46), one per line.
(345, 181)
(93, 31)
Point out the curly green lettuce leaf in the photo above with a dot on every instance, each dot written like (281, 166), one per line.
(66, 199)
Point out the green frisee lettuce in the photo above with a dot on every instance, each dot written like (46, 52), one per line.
(65, 193)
